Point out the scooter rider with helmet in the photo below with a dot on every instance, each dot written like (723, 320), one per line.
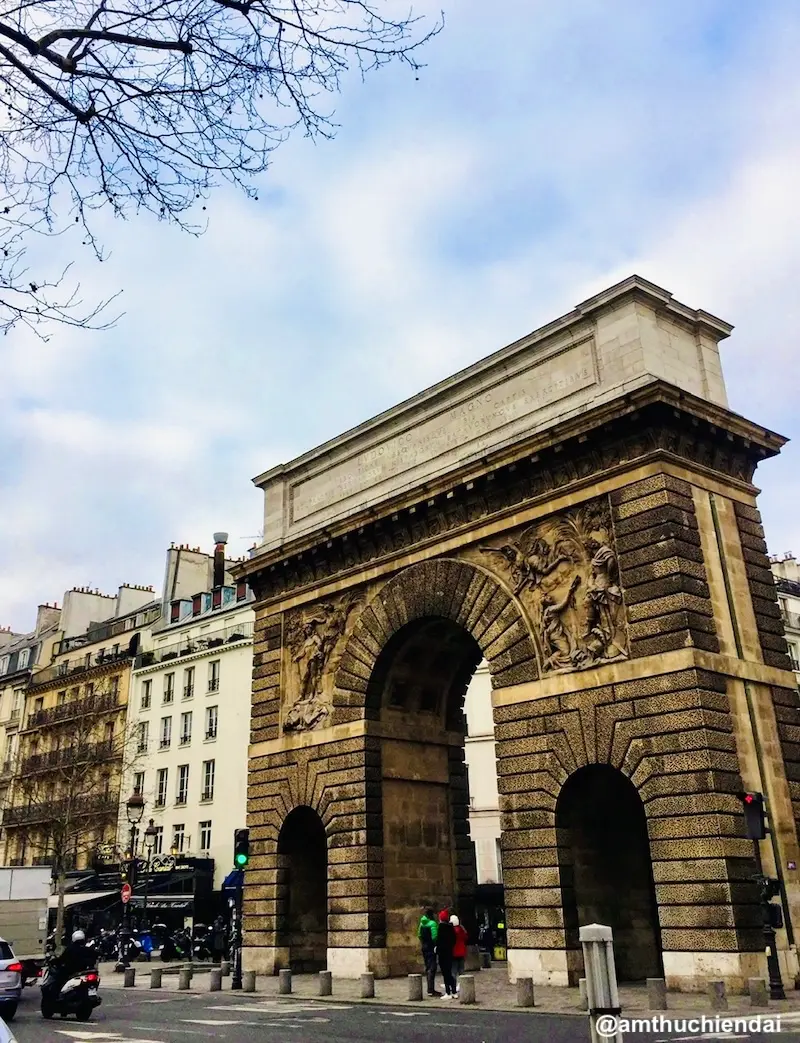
(74, 959)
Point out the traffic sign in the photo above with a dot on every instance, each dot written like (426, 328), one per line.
(125, 893)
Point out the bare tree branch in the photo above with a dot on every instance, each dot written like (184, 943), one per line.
(148, 104)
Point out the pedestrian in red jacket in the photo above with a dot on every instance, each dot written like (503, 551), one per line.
(459, 948)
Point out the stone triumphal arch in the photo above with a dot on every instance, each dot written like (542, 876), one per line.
(577, 510)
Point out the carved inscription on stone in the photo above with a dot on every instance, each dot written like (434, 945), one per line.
(314, 641)
(564, 569)
(474, 426)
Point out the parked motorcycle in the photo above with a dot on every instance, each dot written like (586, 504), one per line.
(77, 995)
(177, 946)
(202, 948)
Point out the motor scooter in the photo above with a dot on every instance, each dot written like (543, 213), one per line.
(77, 995)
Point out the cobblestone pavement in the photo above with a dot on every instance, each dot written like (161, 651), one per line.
(493, 991)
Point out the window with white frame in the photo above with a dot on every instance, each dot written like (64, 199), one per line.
(178, 837)
(162, 776)
(213, 675)
(138, 782)
(147, 694)
(212, 721)
(169, 688)
(142, 736)
(23, 659)
(166, 733)
(186, 728)
(208, 780)
(188, 682)
(204, 832)
(4, 661)
(182, 794)
(158, 840)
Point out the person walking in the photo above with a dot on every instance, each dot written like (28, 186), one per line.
(459, 948)
(427, 932)
(445, 941)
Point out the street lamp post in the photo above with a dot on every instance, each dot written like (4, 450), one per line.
(150, 835)
(134, 808)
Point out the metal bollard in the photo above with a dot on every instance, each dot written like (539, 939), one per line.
(215, 980)
(415, 986)
(759, 994)
(524, 992)
(130, 978)
(284, 983)
(368, 986)
(225, 966)
(249, 981)
(602, 994)
(155, 978)
(466, 988)
(583, 1002)
(184, 978)
(656, 994)
(486, 960)
(325, 983)
(717, 995)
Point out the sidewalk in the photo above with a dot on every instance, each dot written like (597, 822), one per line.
(493, 991)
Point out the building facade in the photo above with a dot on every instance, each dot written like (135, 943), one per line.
(64, 795)
(786, 571)
(188, 716)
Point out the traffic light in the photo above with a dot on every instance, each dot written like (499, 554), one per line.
(755, 825)
(241, 848)
(770, 888)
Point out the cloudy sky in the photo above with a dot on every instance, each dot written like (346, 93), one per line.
(546, 151)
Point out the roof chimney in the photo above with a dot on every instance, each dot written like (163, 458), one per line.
(220, 539)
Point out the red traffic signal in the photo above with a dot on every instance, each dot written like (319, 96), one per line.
(755, 823)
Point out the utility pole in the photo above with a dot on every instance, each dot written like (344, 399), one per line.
(241, 856)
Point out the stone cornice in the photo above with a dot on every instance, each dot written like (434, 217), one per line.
(655, 421)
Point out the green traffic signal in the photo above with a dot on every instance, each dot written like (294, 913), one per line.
(241, 848)
(241, 859)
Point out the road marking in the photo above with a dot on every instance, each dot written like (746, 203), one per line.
(407, 1014)
(199, 1021)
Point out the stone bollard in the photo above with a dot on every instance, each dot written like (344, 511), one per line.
(215, 980)
(656, 994)
(155, 978)
(368, 986)
(284, 983)
(759, 995)
(184, 978)
(130, 978)
(415, 986)
(249, 981)
(486, 960)
(583, 996)
(466, 988)
(524, 992)
(225, 967)
(325, 983)
(717, 995)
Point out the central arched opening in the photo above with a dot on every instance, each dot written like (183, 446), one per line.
(417, 691)
(302, 925)
(606, 872)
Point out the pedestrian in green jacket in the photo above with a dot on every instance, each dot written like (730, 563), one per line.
(426, 932)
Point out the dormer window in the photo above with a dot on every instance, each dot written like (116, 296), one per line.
(241, 590)
(175, 612)
(197, 604)
(216, 597)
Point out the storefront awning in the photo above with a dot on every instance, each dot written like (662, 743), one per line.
(79, 898)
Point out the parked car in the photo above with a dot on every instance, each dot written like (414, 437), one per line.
(6, 1035)
(10, 982)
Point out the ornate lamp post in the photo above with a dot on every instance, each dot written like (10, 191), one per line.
(150, 835)
(134, 809)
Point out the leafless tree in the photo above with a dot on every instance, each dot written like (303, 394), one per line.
(65, 797)
(146, 104)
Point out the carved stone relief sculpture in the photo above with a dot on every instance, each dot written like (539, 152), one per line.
(564, 569)
(313, 642)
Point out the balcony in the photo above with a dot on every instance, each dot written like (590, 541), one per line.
(791, 619)
(213, 684)
(185, 740)
(88, 705)
(69, 669)
(52, 810)
(90, 753)
(229, 635)
(188, 691)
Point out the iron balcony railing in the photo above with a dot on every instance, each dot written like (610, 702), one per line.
(67, 670)
(791, 619)
(52, 810)
(228, 635)
(89, 704)
(116, 628)
(89, 753)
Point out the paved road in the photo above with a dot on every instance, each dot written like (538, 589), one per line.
(131, 1018)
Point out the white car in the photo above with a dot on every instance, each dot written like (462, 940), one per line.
(10, 982)
(6, 1035)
